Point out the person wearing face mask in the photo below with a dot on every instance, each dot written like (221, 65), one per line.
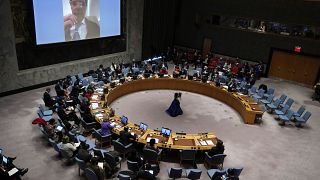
(77, 25)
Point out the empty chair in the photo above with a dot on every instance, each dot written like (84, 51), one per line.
(269, 93)
(282, 98)
(299, 112)
(214, 161)
(216, 174)
(101, 139)
(268, 100)
(302, 120)
(234, 172)
(193, 173)
(81, 164)
(285, 118)
(90, 174)
(112, 161)
(73, 79)
(175, 173)
(272, 106)
(123, 177)
(122, 149)
(88, 127)
(282, 111)
(55, 146)
(289, 103)
(259, 95)
(188, 155)
(252, 90)
(133, 166)
(80, 76)
(150, 155)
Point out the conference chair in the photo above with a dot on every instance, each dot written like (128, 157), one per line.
(268, 100)
(302, 120)
(214, 161)
(282, 98)
(193, 173)
(175, 173)
(81, 164)
(252, 91)
(133, 166)
(236, 171)
(289, 103)
(299, 112)
(55, 146)
(150, 155)
(73, 79)
(282, 111)
(216, 174)
(188, 155)
(272, 106)
(101, 139)
(90, 174)
(285, 118)
(68, 160)
(88, 127)
(99, 152)
(269, 93)
(112, 161)
(80, 76)
(259, 95)
(122, 149)
(123, 177)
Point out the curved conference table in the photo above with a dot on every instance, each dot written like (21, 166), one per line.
(244, 105)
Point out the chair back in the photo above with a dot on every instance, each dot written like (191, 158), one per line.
(133, 166)
(285, 109)
(253, 89)
(301, 110)
(150, 155)
(90, 174)
(98, 152)
(218, 158)
(187, 154)
(90, 79)
(194, 174)
(175, 173)
(80, 76)
(306, 116)
(73, 79)
(270, 91)
(236, 171)
(118, 146)
(270, 98)
(110, 159)
(277, 103)
(289, 102)
(282, 98)
(289, 114)
(260, 92)
(81, 163)
(123, 177)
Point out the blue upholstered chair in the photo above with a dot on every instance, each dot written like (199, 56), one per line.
(150, 155)
(302, 120)
(282, 111)
(288, 103)
(285, 118)
(133, 166)
(175, 173)
(193, 173)
(272, 106)
(259, 95)
(269, 93)
(112, 161)
(282, 98)
(268, 100)
(299, 112)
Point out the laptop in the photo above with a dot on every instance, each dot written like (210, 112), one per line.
(165, 132)
(143, 126)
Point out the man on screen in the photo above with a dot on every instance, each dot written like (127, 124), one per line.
(77, 26)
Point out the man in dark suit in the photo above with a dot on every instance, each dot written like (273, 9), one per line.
(48, 100)
(77, 26)
(83, 153)
(125, 137)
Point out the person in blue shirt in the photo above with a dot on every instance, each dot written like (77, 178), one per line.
(106, 127)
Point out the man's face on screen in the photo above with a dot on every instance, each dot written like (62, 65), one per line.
(78, 8)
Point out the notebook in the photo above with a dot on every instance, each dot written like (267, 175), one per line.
(100, 164)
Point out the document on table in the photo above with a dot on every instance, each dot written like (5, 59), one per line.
(94, 105)
(94, 97)
(13, 171)
(149, 138)
(203, 143)
(100, 164)
(209, 142)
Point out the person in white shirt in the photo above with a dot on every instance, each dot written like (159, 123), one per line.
(69, 148)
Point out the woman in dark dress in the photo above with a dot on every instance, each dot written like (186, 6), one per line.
(175, 109)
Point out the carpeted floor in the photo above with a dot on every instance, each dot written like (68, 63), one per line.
(265, 151)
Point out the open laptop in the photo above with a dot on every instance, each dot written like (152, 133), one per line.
(143, 126)
(124, 120)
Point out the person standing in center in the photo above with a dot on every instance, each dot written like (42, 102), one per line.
(175, 109)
